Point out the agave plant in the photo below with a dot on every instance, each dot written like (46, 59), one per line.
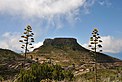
(95, 46)
(27, 40)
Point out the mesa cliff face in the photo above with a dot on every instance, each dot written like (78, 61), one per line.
(61, 42)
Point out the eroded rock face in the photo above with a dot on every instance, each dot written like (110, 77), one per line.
(61, 42)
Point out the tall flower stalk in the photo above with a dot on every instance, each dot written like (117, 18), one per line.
(95, 45)
(27, 40)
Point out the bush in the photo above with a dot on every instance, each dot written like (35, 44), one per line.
(38, 72)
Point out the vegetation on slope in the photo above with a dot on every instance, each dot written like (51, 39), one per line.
(38, 72)
(8, 55)
(8, 63)
(103, 75)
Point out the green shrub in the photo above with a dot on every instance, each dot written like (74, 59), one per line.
(38, 72)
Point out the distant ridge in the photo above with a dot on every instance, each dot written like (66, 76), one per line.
(6, 54)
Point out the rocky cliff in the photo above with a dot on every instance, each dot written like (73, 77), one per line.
(61, 42)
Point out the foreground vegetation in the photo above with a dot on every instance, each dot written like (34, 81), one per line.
(38, 72)
(103, 75)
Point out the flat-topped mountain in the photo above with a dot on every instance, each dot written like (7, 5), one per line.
(62, 43)
(67, 51)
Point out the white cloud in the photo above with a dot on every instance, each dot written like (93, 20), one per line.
(47, 9)
(11, 41)
(53, 11)
(37, 45)
(110, 44)
(39, 8)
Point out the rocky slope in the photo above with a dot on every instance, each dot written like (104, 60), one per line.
(10, 63)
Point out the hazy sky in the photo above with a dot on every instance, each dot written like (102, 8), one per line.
(62, 18)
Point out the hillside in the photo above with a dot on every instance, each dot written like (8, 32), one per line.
(67, 53)
(10, 63)
(72, 56)
(8, 55)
